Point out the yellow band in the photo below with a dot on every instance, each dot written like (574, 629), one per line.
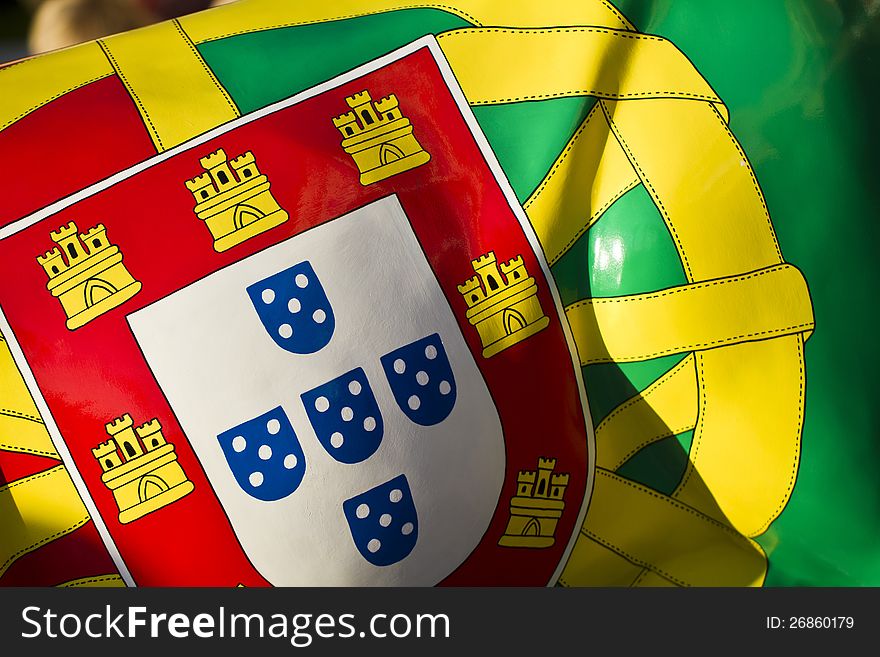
(667, 407)
(706, 191)
(661, 534)
(672, 145)
(258, 15)
(21, 428)
(590, 174)
(167, 85)
(28, 85)
(593, 564)
(98, 581)
(37, 510)
(536, 64)
(754, 306)
(746, 445)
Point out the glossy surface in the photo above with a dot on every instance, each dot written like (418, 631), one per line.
(798, 77)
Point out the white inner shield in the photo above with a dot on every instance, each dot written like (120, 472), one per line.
(218, 367)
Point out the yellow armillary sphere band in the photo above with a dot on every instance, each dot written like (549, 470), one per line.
(742, 317)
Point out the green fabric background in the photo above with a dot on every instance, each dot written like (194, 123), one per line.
(798, 77)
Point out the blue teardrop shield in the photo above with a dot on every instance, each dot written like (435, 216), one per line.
(265, 456)
(421, 379)
(294, 309)
(383, 522)
(345, 416)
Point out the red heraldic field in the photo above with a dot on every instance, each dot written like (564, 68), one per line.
(314, 346)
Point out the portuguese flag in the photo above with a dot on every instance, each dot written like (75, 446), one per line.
(475, 293)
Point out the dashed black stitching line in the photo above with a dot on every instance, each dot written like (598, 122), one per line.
(726, 130)
(585, 533)
(592, 220)
(34, 477)
(695, 446)
(614, 10)
(76, 525)
(28, 450)
(699, 428)
(666, 434)
(207, 70)
(670, 93)
(648, 391)
(9, 67)
(600, 93)
(552, 259)
(453, 10)
(646, 181)
(657, 93)
(678, 290)
(133, 93)
(629, 557)
(670, 500)
(92, 580)
(21, 416)
(561, 158)
(542, 31)
(688, 361)
(699, 346)
(49, 100)
(797, 448)
(43, 541)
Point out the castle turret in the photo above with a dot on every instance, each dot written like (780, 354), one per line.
(525, 483)
(542, 485)
(121, 431)
(52, 262)
(487, 269)
(514, 270)
(558, 484)
(472, 291)
(95, 239)
(217, 166)
(67, 238)
(245, 166)
(202, 187)
(388, 108)
(107, 455)
(151, 435)
(363, 108)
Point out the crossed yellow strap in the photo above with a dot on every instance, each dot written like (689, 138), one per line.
(742, 318)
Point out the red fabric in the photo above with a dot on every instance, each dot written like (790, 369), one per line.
(14, 465)
(74, 556)
(69, 144)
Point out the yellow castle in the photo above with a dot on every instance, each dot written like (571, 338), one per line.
(379, 137)
(144, 474)
(505, 309)
(536, 508)
(86, 273)
(234, 206)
